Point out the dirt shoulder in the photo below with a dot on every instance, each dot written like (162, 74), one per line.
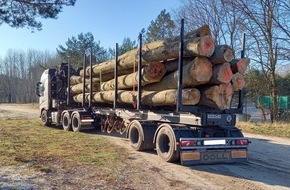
(268, 168)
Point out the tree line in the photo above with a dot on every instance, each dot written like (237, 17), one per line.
(265, 22)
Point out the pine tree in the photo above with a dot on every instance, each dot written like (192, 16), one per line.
(163, 27)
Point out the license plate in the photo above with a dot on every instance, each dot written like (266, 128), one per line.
(209, 157)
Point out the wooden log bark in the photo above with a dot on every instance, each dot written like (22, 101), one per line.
(222, 53)
(197, 72)
(190, 96)
(158, 51)
(152, 73)
(217, 96)
(240, 65)
(78, 88)
(78, 79)
(238, 81)
(222, 73)
(161, 50)
(172, 65)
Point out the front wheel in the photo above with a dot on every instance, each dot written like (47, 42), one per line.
(45, 118)
(165, 145)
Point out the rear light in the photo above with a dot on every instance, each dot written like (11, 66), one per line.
(242, 142)
(187, 143)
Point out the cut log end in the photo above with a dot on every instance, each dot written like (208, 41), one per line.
(207, 46)
(217, 96)
(201, 71)
(228, 54)
(238, 81)
(240, 65)
(222, 73)
(156, 70)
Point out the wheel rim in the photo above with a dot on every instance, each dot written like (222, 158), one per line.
(44, 116)
(75, 122)
(65, 122)
(164, 144)
(134, 135)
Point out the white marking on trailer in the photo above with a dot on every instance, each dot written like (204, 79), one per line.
(87, 120)
(214, 142)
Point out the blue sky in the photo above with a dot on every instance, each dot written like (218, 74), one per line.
(108, 20)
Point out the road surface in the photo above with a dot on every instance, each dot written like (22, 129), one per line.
(268, 166)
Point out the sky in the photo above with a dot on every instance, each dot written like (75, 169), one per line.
(110, 21)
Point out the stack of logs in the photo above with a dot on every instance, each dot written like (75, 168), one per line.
(210, 74)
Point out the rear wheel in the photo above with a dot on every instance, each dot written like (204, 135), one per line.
(66, 122)
(76, 122)
(165, 145)
(45, 118)
(136, 135)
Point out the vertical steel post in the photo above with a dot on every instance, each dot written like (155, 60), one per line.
(241, 94)
(68, 84)
(180, 67)
(84, 83)
(91, 78)
(139, 104)
(116, 76)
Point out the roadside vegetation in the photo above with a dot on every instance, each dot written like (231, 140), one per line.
(276, 129)
(42, 148)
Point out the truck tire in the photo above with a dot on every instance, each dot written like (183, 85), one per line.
(45, 118)
(76, 122)
(165, 145)
(66, 122)
(136, 135)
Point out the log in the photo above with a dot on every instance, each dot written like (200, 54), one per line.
(158, 51)
(161, 50)
(240, 65)
(78, 79)
(238, 81)
(217, 96)
(202, 31)
(222, 53)
(172, 65)
(78, 88)
(197, 72)
(190, 96)
(150, 74)
(222, 73)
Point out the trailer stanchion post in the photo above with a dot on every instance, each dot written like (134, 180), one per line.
(139, 104)
(241, 94)
(91, 78)
(68, 84)
(84, 82)
(116, 76)
(180, 68)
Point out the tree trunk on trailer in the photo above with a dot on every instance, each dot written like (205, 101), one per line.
(197, 72)
(222, 73)
(222, 53)
(240, 65)
(78, 88)
(238, 81)
(160, 51)
(190, 96)
(217, 96)
(150, 74)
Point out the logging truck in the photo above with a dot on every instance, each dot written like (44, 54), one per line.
(192, 125)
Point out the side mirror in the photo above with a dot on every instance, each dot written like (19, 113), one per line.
(39, 89)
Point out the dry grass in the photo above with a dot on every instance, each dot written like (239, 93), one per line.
(27, 141)
(275, 129)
